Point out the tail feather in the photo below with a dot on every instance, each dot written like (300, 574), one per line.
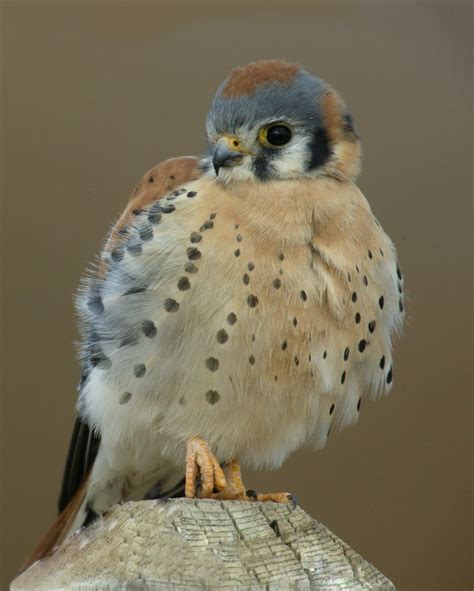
(81, 455)
(68, 521)
(73, 512)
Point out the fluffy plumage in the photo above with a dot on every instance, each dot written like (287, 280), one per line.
(255, 308)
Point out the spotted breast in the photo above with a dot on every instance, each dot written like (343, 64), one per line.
(221, 314)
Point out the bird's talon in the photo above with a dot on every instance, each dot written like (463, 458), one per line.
(200, 460)
(293, 500)
(205, 479)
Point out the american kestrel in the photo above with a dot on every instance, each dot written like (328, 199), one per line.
(244, 304)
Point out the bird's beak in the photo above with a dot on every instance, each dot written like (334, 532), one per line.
(226, 154)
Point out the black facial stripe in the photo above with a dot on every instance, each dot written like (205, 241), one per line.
(348, 122)
(348, 125)
(261, 167)
(320, 148)
(262, 164)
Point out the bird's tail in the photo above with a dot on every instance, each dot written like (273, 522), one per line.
(71, 518)
(72, 501)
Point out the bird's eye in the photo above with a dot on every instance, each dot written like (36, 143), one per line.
(276, 134)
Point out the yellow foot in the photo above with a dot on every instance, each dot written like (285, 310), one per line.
(231, 494)
(279, 497)
(200, 459)
(236, 491)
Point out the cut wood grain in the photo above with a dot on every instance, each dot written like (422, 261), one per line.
(185, 544)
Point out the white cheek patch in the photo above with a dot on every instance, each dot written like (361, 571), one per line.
(240, 173)
(293, 159)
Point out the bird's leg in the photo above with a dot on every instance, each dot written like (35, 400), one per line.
(235, 476)
(200, 459)
(235, 489)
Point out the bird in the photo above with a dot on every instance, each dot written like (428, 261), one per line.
(243, 305)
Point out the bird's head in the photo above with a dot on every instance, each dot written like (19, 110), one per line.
(272, 120)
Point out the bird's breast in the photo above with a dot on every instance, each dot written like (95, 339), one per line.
(215, 320)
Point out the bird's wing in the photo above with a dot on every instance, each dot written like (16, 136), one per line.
(159, 181)
(155, 184)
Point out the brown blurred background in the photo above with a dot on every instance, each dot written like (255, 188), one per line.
(95, 93)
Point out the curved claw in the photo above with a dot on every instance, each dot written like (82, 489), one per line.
(293, 500)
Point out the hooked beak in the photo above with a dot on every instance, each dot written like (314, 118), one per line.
(225, 156)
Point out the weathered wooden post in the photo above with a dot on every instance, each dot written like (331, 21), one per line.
(185, 544)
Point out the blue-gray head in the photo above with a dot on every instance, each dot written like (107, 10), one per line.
(272, 120)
